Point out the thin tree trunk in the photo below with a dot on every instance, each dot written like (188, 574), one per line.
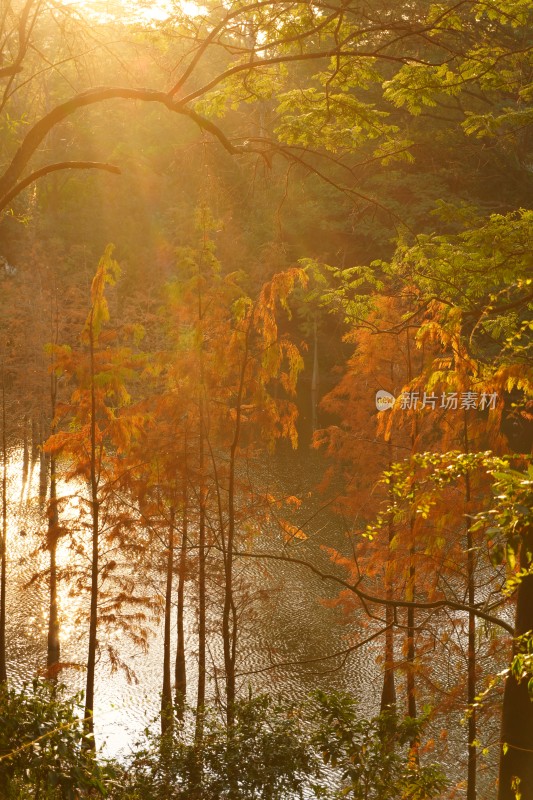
(166, 695)
(410, 594)
(3, 543)
(25, 451)
(93, 621)
(53, 644)
(471, 791)
(388, 693)
(43, 464)
(411, 684)
(95, 508)
(53, 649)
(229, 617)
(35, 440)
(516, 760)
(181, 670)
(314, 379)
(202, 645)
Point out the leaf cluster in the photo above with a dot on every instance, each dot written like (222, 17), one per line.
(43, 745)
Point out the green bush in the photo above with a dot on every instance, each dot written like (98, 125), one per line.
(371, 757)
(266, 756)
(274, 751)
(43, 751)
(279, 752)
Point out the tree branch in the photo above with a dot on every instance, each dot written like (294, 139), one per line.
(32, 140)
(12, 69)
(60, 165)
(382, 601)
(37, 133)
(297, 57)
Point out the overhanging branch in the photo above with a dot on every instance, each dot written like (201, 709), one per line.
(10, 183)
(383, 601)
(60, 165)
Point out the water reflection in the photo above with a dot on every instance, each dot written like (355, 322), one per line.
(285, 634)
(284, 624)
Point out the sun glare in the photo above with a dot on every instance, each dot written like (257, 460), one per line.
(145, 10)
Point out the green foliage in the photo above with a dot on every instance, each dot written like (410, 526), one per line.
(485, 262)
(416, 86)
(43, 746)
(278, 751)
(370, 754)
(335, 121)
(265, 756)
(347, 292)
(509, 522)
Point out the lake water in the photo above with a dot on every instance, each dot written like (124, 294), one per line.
(286, 620)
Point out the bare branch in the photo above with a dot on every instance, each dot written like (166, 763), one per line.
(383, 601)
(60, 165)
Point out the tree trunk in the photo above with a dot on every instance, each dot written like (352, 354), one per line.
(181, 670)
(166, 695)
(471, 678)
(3, 543)
(25, 451)
(95, 508)
(410, 594)
(93, 621)
(229, 616)
(516, 760)
(200, 695)
(471, 790)
(35, 440)
(411, 685)
(43, 466)
(388, 693)
(53, 649)
(414, 744)
(314, 379)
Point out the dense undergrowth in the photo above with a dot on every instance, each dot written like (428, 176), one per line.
(274, 750)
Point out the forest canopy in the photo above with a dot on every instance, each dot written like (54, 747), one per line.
(266, 399)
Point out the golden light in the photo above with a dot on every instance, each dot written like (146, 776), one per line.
(136, 11)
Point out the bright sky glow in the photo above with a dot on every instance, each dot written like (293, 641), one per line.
(138, 10)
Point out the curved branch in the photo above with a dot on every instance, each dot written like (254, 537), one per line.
(10, 179)
(210, 38)
(213, 129)
(382, 601)
(60, 165)
(489, 310)
(297, 57)
(37, 133)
